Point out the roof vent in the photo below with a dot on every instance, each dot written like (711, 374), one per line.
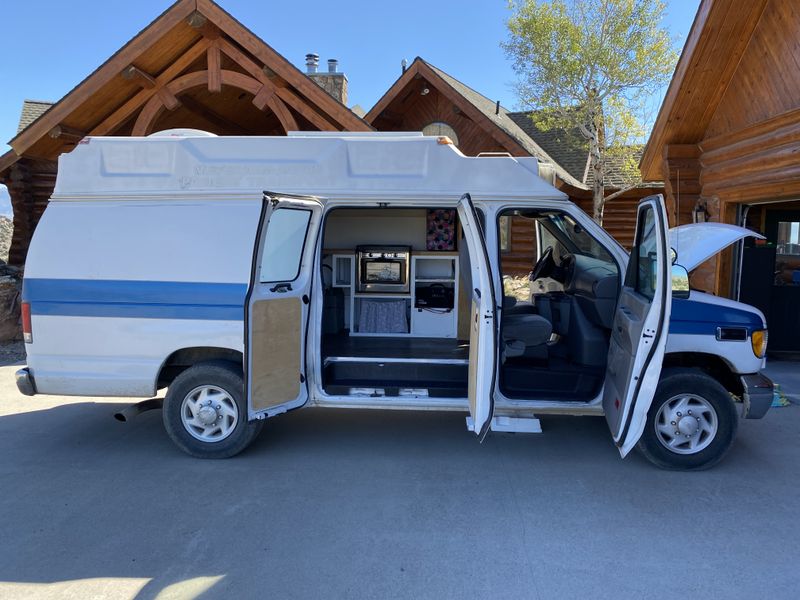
(182, 132)
(312, 62)
(333, 65)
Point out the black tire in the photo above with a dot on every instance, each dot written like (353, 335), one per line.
(675, 382)
(226, 376)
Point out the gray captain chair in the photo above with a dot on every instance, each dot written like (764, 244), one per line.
(524, 333)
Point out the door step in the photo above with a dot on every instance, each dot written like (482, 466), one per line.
(511, 424)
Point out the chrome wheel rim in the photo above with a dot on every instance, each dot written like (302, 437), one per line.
(209, 413)
(686, 424)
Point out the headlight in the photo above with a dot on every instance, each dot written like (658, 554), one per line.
(759, 341)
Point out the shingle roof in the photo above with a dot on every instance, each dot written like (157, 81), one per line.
(504, 121)
(569, 148)
(32, 110)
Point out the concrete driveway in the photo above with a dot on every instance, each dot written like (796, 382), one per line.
(359, 504)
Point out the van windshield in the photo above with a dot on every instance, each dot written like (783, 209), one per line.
(560, 229)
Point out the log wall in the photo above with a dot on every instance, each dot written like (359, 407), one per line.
(30, 185)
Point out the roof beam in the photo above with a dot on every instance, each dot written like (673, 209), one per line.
(196, 20)
(124, 112)
(62, 131)
(214, 61)
(262, 97)
(134, 73)
(283, 113)
(167, 98)
(287, 95)
(336, 111)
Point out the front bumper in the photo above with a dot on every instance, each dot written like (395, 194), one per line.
(25, 383)
(757, 395)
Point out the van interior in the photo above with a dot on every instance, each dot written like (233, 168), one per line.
(397, 295)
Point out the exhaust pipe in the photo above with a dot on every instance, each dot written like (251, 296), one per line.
(127, 414)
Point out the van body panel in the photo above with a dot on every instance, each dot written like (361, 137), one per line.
(115, 287)
(113, 356)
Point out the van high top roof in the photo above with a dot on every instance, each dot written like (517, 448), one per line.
(334, 165)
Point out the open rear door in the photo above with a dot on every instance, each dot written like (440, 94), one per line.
(639, 334)
(277, 305)
(483, 322)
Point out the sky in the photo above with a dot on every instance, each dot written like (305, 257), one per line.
(59, 43)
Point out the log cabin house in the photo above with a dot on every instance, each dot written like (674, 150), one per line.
(196, 66)
(726, 143)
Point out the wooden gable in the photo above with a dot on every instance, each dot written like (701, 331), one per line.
(406, 107)
(194, 66)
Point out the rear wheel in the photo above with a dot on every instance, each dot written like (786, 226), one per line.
(691, 423)
(205, 413)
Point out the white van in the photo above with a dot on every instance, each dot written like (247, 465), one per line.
(371, 276)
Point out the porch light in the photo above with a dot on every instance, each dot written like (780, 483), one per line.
(700, 213)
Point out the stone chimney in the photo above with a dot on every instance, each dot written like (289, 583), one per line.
(332, 81)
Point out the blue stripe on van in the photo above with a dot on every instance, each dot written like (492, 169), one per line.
(693, 317)
(135, 299)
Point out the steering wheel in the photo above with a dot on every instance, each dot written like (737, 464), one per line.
(544, 266)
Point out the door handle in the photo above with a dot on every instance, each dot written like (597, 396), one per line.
(281, 288)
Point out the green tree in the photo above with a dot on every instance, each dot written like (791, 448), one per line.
(591, 66)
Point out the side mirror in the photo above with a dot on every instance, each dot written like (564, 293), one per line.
(680, 282)
(673, 256)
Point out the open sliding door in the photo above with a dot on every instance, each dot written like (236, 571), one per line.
(483, 323)
(278, 302)
(639, 334)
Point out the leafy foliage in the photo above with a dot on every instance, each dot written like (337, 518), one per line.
(591, 65)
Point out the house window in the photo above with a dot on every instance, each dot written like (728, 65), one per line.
(439, 128)
(787, 253)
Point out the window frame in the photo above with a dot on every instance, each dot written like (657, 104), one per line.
(301, 254)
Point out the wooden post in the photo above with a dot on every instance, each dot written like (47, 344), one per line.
(214, 69)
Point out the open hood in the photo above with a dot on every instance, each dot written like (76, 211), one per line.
(697, 242)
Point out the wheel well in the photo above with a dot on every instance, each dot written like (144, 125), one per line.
(182, 359)
(711, 364)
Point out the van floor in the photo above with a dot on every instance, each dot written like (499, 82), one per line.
(344, 345)
(554, 379)
(391, 366)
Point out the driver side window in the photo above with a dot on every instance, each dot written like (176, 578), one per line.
(641, 275)
(522, 250)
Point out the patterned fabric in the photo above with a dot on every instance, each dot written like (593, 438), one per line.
(382, 316)
(441, 229)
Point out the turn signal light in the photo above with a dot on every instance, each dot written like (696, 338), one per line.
(759, 341)
(27, 332)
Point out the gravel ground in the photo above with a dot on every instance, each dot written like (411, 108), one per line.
(12, 353)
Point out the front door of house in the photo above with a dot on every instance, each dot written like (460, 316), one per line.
(782, 228)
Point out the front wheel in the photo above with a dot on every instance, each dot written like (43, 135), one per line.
(205, 413)
(691, 423)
